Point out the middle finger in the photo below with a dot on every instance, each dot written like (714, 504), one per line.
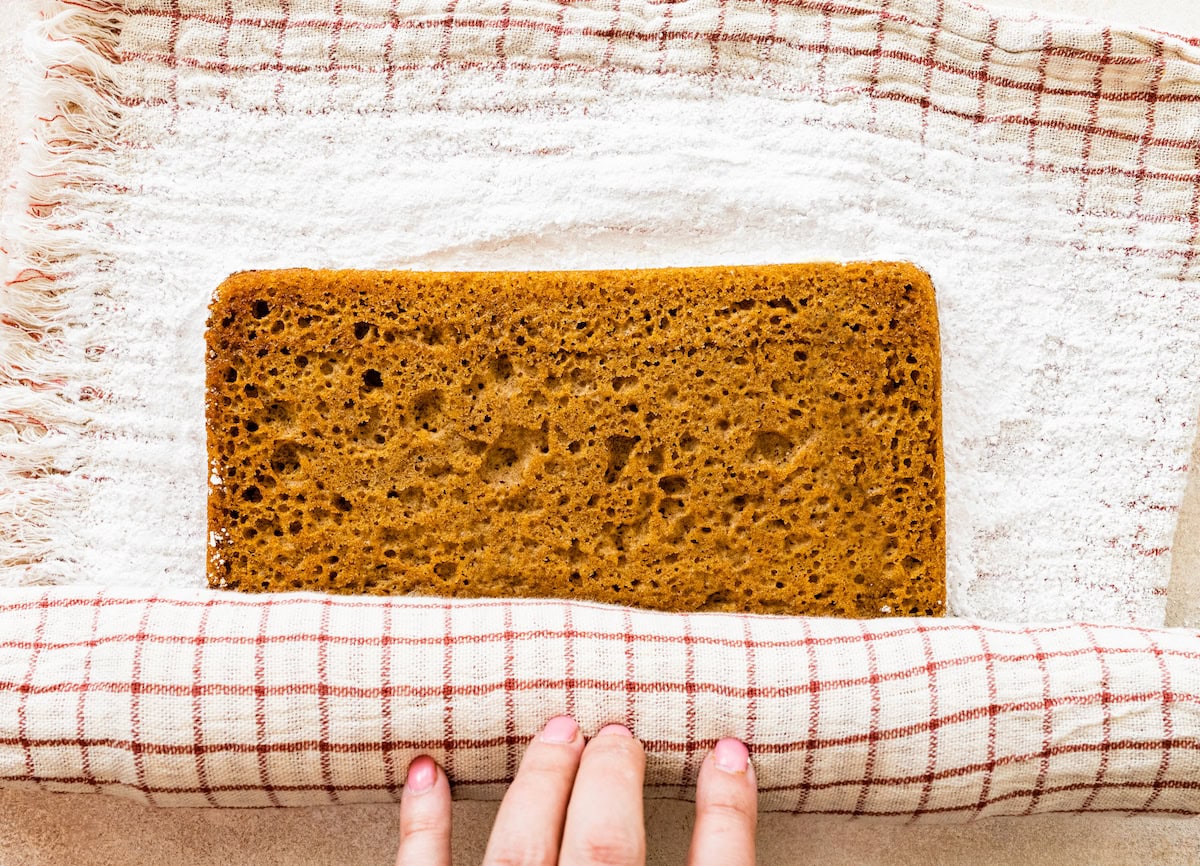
(528, 827)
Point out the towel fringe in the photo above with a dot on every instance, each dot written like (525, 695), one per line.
(72, 96)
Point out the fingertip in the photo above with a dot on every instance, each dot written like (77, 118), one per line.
(560, 731)
(615, 730)
(731, 755)
(616, 739)
(425, 815)
(727, 778)
(726, 808)
(422, 775)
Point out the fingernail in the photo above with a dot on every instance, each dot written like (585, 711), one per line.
(560, 729)
(731, 755)
(619, 730)
(422, 773)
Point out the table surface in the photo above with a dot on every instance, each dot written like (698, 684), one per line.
(57, 830)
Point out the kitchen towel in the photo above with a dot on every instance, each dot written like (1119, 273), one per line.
(190, 699)
(1044, 172)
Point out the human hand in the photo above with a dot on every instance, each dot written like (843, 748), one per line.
(573, 804)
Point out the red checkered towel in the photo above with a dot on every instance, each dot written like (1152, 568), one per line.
(1046, 174)
(190, 699)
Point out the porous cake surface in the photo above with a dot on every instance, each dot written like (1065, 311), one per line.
(762, 439)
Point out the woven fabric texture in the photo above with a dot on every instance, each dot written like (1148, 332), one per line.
(190, 700)
(1045, 173)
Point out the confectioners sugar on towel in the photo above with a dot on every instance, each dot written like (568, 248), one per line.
(1043, 172)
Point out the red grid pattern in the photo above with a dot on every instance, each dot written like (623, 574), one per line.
(1061, 98)
(834, 711)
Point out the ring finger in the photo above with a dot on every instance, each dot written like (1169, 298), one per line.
(605, 824)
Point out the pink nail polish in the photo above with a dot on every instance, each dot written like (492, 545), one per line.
(731, 755)
(422, 773)
(619, 730)
(560, 730)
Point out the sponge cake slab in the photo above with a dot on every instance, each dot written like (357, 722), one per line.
(763, 439)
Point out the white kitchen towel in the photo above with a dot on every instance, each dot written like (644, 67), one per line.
(206, 699)
(1044, 172)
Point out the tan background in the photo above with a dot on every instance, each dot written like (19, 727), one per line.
(57, 830)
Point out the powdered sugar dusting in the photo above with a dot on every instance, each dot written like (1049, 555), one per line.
(1033, 361)
(1070, 388)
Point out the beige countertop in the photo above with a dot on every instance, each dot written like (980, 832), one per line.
(56, 830)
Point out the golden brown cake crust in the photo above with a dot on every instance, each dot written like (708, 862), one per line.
(762, 439)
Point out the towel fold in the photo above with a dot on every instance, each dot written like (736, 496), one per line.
(202, 699)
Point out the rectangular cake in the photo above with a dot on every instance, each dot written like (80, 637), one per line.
(763, 439)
